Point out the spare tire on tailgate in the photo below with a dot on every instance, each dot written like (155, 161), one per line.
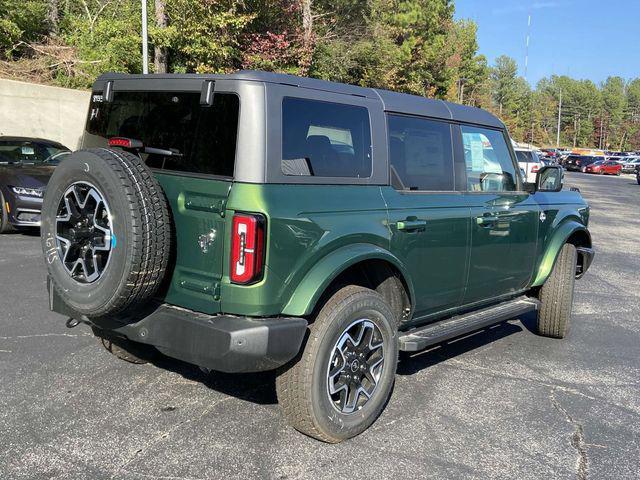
(106, 232)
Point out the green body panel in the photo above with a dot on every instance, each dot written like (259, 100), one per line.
(448, 257)
(504, 236)
(305, 223)
(430, 236)
(197, 207)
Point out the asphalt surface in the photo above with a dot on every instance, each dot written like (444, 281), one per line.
(503, 403)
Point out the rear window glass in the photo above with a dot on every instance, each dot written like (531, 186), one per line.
(325, 139)
(420, 154)
(524, 157)
(202, 139)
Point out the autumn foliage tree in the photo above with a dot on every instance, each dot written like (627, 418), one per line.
(414, 46)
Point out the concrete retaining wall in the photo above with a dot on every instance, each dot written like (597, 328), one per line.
(30, 110)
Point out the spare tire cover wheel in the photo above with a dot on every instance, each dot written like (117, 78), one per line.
(105, 232)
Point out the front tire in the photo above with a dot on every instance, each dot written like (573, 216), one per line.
(556, 295)
(343, 378)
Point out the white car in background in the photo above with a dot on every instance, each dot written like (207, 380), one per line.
(529, 162)
(630, 164)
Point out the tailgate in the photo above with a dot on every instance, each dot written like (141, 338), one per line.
(197, 206)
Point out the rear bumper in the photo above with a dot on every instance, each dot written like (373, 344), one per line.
(218, 342)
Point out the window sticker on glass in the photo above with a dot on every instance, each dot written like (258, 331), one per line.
(28, 150)
(477, 151)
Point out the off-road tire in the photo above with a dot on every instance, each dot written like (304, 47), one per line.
(5, 226)
(140, 222)
(556, 295)
(301, 388)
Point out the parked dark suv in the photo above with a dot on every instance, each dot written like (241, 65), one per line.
(257, 221)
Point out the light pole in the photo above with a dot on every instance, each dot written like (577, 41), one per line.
(559, 116)
(145, 42)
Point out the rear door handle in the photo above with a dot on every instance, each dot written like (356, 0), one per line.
(487, 220)
(411, 224)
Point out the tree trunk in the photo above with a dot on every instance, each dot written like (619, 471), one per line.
(307, 22)
(52, 17)
(160, 60)
(624, 134)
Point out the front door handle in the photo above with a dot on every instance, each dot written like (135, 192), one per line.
(411, 224)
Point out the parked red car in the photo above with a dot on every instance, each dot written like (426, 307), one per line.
(602, 167)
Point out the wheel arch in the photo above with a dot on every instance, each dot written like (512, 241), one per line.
(570, 231)
(339, 265)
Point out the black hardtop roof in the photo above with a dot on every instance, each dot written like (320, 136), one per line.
(391, 101)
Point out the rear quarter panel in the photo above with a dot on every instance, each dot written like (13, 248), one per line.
(305, 223)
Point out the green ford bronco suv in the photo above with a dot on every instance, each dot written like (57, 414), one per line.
(257, 221)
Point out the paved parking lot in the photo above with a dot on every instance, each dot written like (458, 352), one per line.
(503, 403)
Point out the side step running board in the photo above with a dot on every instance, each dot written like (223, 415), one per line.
(438, 332)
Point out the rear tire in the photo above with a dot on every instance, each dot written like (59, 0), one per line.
(125, 349)
(556, 295)
(304, 390)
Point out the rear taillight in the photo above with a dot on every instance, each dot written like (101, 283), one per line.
(535, 168)
(247, 248)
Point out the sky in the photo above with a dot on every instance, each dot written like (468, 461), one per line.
(584, 39)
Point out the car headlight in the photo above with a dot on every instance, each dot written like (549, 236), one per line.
(29, 192)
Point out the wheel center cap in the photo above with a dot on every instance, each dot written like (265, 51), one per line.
(355, 366)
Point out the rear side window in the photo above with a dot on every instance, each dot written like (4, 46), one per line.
(203, 139)
(325, 139)
(420, 154)
(488, 161)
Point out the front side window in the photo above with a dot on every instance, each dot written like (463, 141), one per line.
(325, 139)
(488, 161)
(420, 154)
(202, 139)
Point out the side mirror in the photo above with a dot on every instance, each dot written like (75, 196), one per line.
(549, 179)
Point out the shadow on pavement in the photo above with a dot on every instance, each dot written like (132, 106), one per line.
(413, 363)
(260, 387)
(253, 387)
